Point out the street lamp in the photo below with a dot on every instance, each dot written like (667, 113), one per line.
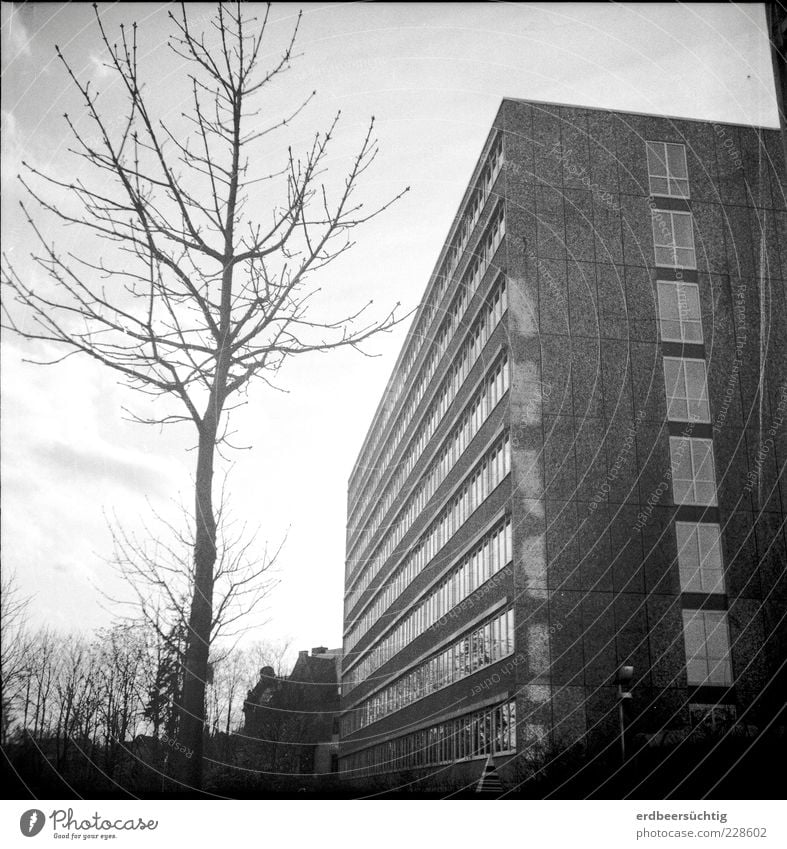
(624, 678)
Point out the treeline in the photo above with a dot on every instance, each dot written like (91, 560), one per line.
(98, 714)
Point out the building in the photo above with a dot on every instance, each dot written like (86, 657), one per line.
(578, 461)
(292, 724)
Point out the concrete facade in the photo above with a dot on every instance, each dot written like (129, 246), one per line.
(592, 573)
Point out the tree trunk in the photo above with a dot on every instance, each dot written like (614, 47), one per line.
(192, 708)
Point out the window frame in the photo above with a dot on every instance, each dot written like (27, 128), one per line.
(693, 443)
(682, 322)
(667, 175)
(690, 617)
(684, 384)
(697, 571)
(673, 246)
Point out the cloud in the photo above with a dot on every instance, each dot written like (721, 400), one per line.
(100, 69)
(13, 149)
(16, 34)
(96, 463)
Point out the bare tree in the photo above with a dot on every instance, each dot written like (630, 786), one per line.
(14, 650)
(271, 653)
(183, 295)
(159, 569)
(123, 679)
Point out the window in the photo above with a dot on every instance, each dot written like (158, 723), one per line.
(673, 238)
(712, 717)
(667, 169)
(693, 475)
(699, 558)
(707, 647)
(687, 390)
(679, 312)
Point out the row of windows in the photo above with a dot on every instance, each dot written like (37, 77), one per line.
(482, 647)
(492, 391)
(450, 386)
(489, 244)
(476, 203)
(486, 476)
(487, 558)
(479, 734)
(421, 331)
(488, 319)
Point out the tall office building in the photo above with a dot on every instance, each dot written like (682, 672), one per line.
(578, 461)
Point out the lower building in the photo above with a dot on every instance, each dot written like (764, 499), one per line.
(291, 724)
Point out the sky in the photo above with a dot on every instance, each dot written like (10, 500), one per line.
(433, 76)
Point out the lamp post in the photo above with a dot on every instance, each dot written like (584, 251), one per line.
(624, 678)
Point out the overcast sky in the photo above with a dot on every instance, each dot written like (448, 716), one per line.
(433, 75)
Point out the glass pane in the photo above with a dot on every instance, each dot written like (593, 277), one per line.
(679, 188)
(688, 557)
(719, 672)
(670, 331)
(659, 186)
(662, 233)
(705, 493)
(672, 375)
(669, 306)
(710, 549)
(693, 631)
(689, 301)
(692, 331)
(695, 378)
(682, 228)
(698, 411)
(703, 459)
(680, 455)
(665, 256)
(676, 158)
(685, 258)
(677, 407)
(717, 641)
(656, 159)
(696, 671)
(697, 390)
